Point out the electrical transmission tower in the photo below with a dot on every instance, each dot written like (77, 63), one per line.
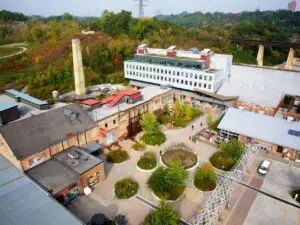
(141, 6)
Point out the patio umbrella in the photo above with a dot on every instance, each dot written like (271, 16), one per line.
(98, 219)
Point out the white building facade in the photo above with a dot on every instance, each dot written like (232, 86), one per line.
(188, 70)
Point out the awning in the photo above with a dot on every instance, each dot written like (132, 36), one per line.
(92, 148)
(216, 96)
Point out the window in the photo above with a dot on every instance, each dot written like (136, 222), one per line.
(106, 125)
(181, 81)
(200, 77)
(166, 72)
(191, 75)
(177, 73)
(169, 79)
(177, 81)
(173, 80)
(195, 84)
(114, 121)
(191, 83)
(209, 86)
(150, 69)
(170, 72)
(200, 85)
(210, 78)
(196, 76)
(186, 83)
(205, 77)
(280, 149)
(186, 75)
(205, 85)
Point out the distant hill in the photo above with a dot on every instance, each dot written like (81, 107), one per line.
(285, 20)
(12, 16)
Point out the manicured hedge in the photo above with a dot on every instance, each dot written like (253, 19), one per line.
(205, 178)
(126, 188)
(147, 161)
(117, 156)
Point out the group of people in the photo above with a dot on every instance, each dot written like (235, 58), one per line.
(193, 139)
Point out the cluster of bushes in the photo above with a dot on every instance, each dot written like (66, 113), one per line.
(181, 152)
(205, 178)
(152, 133)
(165, 214)
(213, 124)
(147, 161)
(126, 188)
(139, 146)
(117, 156)
(168, 183)
(228, 155)
(184, 113)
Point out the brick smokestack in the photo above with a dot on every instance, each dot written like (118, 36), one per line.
(78, 68)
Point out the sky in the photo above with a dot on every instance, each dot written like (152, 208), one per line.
(154, 7)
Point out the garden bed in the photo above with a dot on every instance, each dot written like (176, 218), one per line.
(126, 188)
(205, 178)
(117, 156)
(183, 153)
(147, 161)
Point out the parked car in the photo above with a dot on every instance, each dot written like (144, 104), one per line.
(264, 167)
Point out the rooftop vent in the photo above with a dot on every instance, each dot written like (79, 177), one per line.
(73, 154)
(70, 114)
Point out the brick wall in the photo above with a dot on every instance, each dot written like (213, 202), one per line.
(99, 170)
(7, 153)
(36, 159)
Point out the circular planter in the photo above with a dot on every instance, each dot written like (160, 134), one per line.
(147, 171)
(188, 169)
(115, 197)
(205, 192)
(170, 201)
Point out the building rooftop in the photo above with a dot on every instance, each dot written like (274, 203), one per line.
(37, 133)
(262, 127)
(116, 97)
(26, 97)
(7, 105)
(81, 163)
(53, 176)
(261, 85)
(148, 93)
(90, 102)
(24, 202)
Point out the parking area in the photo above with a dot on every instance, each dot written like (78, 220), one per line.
(279, 181)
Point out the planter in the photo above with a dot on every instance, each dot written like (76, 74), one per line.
(188, 169)
(115, 197)
(117, 164)
(170, 201)
(147, 171)
(205, 192)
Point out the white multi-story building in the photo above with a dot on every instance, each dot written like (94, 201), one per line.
(188, 70)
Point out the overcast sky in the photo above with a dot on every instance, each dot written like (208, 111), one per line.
(95, 7)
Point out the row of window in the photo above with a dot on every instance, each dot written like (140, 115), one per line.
(171, 80)
(168, 71)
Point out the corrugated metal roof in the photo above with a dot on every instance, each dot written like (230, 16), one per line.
(26, 97)
(262, 127)
(24, 202)
(7, 105)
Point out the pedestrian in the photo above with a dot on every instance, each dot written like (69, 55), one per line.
(160, 153)
(201, 124)
(192, 127)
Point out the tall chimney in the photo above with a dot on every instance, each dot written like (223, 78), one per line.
(78, 68)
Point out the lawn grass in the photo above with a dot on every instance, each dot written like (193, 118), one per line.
(9, 51)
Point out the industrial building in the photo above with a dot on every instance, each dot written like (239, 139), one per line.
(24, 202)
(185, 70)
(275, 135)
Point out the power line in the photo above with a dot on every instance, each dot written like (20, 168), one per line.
(141, 6)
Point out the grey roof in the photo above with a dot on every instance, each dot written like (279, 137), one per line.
(26, 97)
(262, 127)
(261, 85)
(82, 164)
(148, 93)
(7, 105)
(53, 176)
(24, 202)
(35, 134)
(92, 147)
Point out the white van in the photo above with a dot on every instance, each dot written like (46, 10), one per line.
(263, 167)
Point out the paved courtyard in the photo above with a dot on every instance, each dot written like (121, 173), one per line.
(103, 201)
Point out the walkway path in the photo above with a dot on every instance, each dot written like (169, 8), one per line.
(14, 45)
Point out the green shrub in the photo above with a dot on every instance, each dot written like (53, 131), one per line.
(154, 138)
(205, 178)
(117, 156)
(165, 214)
(126, 188)
(164, 118)
(221, 162)
(139, 146)
(147, 161)
(178, 122)
(168, 183)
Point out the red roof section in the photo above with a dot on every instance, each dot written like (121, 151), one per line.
(90, 102)
(116, 97)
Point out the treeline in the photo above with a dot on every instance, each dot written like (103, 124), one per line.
(12, 16)
(283, 19)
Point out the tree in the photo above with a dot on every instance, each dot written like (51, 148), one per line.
(177, 108)
(209, 120)
(165, 214)
(175, 175)
(188, 112)
(149, 123)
